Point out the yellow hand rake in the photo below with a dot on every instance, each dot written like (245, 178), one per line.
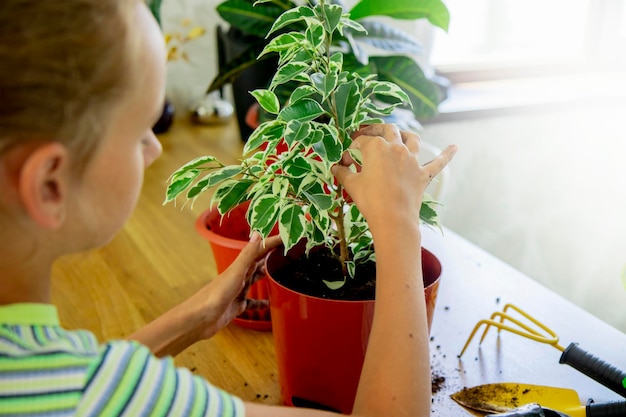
(574, 356)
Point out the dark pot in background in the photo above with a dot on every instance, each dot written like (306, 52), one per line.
(231, 43)
(167, 118)
(321, 343)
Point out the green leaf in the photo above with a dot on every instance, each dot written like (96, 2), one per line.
(404, 72)
(295, 15)
(267, 99)
(304, 110)
(267, 131)
(388, 38)
(296, 131)
(347, 99)
(155, 8)
(291, 225)
(263, 213)
(434, 10)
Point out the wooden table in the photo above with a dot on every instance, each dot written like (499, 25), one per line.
(158, 260)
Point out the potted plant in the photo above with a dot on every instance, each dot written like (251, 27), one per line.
(249, 23)
(285, 176)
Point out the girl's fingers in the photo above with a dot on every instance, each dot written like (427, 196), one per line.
(411, 140)
(388, 131)
(256, 304)
(435, 166)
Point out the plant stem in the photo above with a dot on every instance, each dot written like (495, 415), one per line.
(344, 253)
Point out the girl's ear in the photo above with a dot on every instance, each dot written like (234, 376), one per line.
(42, 184)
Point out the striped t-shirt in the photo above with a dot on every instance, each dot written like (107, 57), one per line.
(46, 370)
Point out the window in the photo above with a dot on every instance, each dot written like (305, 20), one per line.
(490, 39)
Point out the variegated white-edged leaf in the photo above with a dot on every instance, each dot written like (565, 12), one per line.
(304, 110)
(296, 131)
(324, 83)
(298, 167)
(351, 25)
(291, 16)
(332, 14)
(280, 187)
(335, 285)
(329, 148)
(213, 178)
(197, 163)
(294, 71)
(263, 213)
(351, 266)
(316, 195)
(320, 218)
(291, 224)
(283, 42)
(230, 193)
(347, 98)
(267, 99)
(315, 35)
(301, 92)
(267, 131)
(389, 89)
(180, 183)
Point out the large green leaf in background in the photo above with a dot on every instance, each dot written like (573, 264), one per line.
(252, 20)
(405, 72)
(434, 10)
(155, 8)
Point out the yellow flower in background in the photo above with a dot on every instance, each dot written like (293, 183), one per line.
(175, 41)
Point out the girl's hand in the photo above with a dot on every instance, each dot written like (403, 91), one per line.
(390, 175)
(212, 307)
(225, 296)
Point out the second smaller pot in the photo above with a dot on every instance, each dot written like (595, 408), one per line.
(227, 236)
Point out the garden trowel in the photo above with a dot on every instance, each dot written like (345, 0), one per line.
(505, 397)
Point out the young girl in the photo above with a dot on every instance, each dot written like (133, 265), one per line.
(81, 84)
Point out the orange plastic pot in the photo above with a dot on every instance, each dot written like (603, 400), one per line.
(227, 236)
(320, 343)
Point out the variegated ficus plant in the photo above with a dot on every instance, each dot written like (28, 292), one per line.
(285, 171)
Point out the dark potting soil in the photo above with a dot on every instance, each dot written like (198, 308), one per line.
(306, 274)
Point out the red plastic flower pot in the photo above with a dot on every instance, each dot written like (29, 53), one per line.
(320, 343)
(227, 236)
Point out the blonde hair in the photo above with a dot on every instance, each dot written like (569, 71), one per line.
(63, 66)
